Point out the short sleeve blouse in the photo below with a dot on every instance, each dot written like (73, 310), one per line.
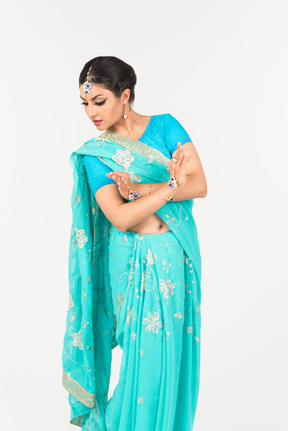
(162, 133)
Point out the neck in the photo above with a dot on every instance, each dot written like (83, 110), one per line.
(132, 126)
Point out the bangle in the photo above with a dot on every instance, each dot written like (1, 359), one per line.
(162, 197)
(150, 188)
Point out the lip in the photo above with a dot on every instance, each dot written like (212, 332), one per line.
(97, 122)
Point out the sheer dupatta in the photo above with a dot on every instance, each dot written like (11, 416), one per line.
(91, 322)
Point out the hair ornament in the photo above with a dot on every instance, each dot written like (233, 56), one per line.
(88, 85)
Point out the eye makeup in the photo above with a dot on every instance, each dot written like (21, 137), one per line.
(98, 104)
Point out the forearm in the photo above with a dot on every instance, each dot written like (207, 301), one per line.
(192, 189)
(133, 212)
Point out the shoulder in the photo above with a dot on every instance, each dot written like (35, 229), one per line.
(166, 120)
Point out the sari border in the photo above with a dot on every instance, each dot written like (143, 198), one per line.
(134, 145)
(75, 389)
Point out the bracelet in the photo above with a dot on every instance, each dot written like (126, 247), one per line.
(150, 188)
(172, 184)
(162, 197)
(132, 195)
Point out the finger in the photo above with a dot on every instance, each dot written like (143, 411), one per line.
(123, 174)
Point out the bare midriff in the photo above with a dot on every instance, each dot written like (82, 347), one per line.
(151, 225)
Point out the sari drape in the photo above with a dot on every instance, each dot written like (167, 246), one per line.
(91, 321)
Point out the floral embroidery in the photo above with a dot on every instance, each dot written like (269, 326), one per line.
(138, 147)
(166, 287)
(197, 339)
(123, 158)
(150, 257)
(189, 329)
(130, 315)
(77, 340)
(152, 322)
(120, 301)
(81, 238)
(198, 309)
(136, 263)
(140, 400)
(77, 198)
(133, 335)
(70, 303)
(178, 315)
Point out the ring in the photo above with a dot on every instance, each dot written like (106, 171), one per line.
(174, 160)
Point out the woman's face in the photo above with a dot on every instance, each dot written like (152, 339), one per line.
(102, 105)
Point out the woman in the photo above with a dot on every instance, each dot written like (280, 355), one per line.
(134, 263)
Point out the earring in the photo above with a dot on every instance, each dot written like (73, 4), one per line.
(124, 116)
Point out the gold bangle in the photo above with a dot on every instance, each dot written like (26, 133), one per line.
(162, 197)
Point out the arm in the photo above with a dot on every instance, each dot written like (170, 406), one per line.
(195, 185)
(123, 214)
(193, 189)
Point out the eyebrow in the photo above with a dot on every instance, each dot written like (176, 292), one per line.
(93, 98)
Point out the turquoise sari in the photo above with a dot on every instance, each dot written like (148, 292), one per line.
(106, 293)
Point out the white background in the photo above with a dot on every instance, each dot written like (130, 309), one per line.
(221, 69)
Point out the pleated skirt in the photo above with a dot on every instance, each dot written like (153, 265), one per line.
(154, 292)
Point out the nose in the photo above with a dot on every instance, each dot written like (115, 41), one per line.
(91, 111)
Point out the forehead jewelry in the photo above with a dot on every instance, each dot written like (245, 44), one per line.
(87, 85)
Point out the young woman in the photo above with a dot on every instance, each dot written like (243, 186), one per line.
(134, 263)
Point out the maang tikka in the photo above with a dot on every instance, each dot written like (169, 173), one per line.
(88, 85)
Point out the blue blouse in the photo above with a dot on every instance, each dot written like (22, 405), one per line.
(162, 132)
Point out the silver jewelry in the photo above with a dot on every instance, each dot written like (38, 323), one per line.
(172, 183)
(88, 85)
(131, 194)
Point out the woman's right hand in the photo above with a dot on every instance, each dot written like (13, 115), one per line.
(180, 166)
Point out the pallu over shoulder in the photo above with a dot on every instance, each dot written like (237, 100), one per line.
(91, 321)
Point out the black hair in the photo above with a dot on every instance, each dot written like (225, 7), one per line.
(113, 73)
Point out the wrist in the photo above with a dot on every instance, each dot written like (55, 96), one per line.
(165, 192)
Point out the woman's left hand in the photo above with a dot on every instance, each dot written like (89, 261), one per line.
(122, 187)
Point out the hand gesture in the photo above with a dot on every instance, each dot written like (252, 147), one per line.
(180, 166)
(122, 187)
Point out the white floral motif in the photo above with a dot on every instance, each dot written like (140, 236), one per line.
(134, 261)
(123, 158)
(70, 304)
(77, 339)
(140, 400)
(120, 301)
(130, 315)
(166, 287)
(77, 198)
(152, 322)
(150, 257)
(81, 238)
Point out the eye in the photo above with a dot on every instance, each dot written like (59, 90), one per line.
(98, 104)
(101, 103)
